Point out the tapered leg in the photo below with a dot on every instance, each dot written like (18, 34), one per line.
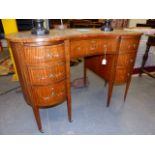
(85, 73)
(105, 83)
(145, 57)
(127, 88)
(68, 85)
(110, 89)
(69, 107)
(37, 117)
(69, 102)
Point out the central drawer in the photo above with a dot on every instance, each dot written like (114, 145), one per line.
(88, 47)
(108, 45)
(51, 94)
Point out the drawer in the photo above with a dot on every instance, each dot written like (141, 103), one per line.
(92, 47)
(109, 45)
(34, 55)
(122, 75)
(100, 46)
(78, 48)
(129, 44)
(126, 59)
(51, 94)
(47, 74)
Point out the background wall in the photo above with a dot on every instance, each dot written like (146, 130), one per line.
(133, 22)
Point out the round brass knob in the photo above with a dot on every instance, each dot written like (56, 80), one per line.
(134, 45)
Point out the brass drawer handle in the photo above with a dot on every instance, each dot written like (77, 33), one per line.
(78, 48)
(56, 55)
(134, 45)
(55, 75)
(105, 47)
(93, 41)
(52, 55)
(45, 77)
(62, 92)
(60, 74)
(39, 57)
(92, 48)
(131, 60)
(53, 94)
(48, 56)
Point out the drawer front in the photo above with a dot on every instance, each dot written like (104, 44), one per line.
(129, 45)
(50, 95)
(92, 47)
(47, 74)
(40, 54)
(108, 45)
(124, 67)
(122, 75)
(78, 48)
(125, 60)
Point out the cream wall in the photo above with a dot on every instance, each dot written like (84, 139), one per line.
(133, 22)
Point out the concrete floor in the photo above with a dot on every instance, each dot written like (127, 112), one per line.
(90, 114)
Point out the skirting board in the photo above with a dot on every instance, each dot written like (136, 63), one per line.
(149, 69)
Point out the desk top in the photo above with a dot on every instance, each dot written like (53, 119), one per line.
(57, 35)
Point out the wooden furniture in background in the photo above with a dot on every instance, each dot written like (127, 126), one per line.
(43, 62)
(95, 23)
(149, 23)
(85, 23)
(150, 42)
(119, 23)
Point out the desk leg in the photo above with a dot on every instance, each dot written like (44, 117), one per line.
(110, 89)
(68, 85)
(127, 88)
(85, 73)
(69, 102)
(145, 57)
(37, 117)
(105, 83)
(69, 107)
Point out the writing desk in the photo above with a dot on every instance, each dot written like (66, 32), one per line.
(43, 62)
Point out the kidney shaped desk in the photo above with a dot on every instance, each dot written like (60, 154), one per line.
(43, 62)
